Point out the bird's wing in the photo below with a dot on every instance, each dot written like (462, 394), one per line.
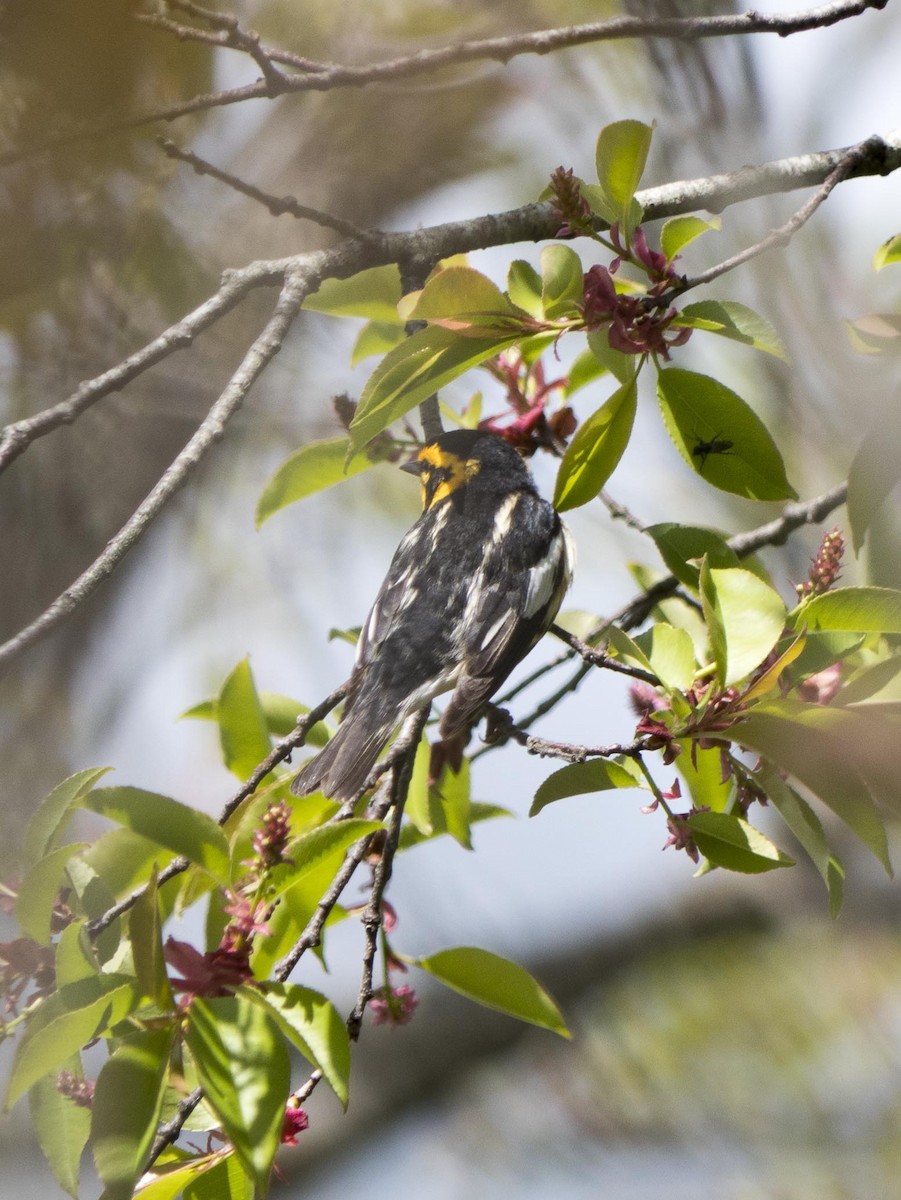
(506, 619)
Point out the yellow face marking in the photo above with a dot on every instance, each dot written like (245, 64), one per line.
(442, 473)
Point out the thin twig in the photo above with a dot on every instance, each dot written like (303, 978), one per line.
(278, 206)
(297, 285)
(326, 77)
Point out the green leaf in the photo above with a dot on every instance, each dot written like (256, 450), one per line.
(620, 157)
(497, 983)
(75, 958)
(376, 338)
(698, 410)
(124, 859)
(145, 928)
(243, 731)
(126, 1109)
(869, 681)
(164, 820)
(309, 851)
(458, 297)
(852, 610)
(373, 293)
(443, 807)
(735, 321)
(679, 232)
(579, 779)
(621, 366)
(410, 836)
(680, 544)
(524, 287)
(242, 1063)
(310, 469)
(875, 472)
(820, 760)
(73, 1016)
(39, 890)
(561, 280)
(807, 828)
(585, 370)
(875, 333)
(415, 370)
(314, 1026)
(225, 1180)
(728, 841)
(62, 1127)
(172, 1180)
(702, 771)
(889, 252)
(281, 713)
(49, 821)
(671, 654)
(745, 618)
(596, 449)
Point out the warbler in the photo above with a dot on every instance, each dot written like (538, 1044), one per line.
(472, 587)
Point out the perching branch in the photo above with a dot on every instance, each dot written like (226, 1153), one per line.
(321, 77)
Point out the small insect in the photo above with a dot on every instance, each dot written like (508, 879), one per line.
(716, 445)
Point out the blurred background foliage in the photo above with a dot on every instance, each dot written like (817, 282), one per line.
(731, 1048)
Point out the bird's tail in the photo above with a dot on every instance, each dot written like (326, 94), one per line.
(340, 770)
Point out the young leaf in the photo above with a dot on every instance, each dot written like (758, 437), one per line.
(736, 321)
(888, 252)
(39, 890)
(373, 293)
(50, 819)
(874, 473)
(243, 731)
(225, 1180)
(375, 339)
(701, 412)
(679, 232)
(167, 822)
(62, 1127)
(416, 369)
(595, 450)
(524, 287)
(243, 1066)
(680, 544)
(145, 928)
(745, 617)
(807, 828)
(460, 296)
(561, 280)
(75, 958)
(702, 771)
(73, 1016)
(671, 654)
(310, 469)
(127, 1103)
(314, 1026)
(497, 983)
(308, 852)
(852, 610)
(579, 779)
(818, 758)
(620, 157)
(621, 366)
(728, 841)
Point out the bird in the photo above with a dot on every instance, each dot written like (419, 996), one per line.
(472, 586)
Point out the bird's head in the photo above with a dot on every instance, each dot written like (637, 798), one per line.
(455, 459)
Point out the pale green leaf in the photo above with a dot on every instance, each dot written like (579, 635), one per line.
(39, 889)
(50, 820)
(679, 232)
(242, 1063)
(671, 654)
(808, 829)
(735, 321)
(314, 1026)
(373, 293)
(682, 547)
(728, 841)
(62, 1127)
(889, 252)
(701, 412)
(310, 469)
(561, 280)
(497, 983)
(852, 610)
(702, 772)
(376, 338)
(579, 779)
(173, 825)
(596, 449)
(621, 366)
(745, 616)
(524, 287)
(875, 472)
(620, 157)
(126, 1108)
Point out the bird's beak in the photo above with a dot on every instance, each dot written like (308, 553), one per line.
(413, 467)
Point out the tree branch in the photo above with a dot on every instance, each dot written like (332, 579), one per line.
(297, 285)
(322, 77)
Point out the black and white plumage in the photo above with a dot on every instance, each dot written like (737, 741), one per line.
(472, 587)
